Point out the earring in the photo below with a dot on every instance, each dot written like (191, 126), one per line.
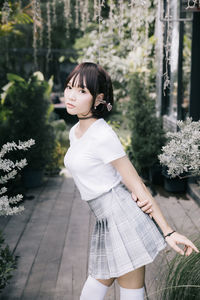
(95, 107)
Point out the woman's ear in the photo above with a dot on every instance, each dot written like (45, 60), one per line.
(99, 99)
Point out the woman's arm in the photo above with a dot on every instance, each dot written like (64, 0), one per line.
(135, 184)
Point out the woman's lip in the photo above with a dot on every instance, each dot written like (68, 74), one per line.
(70, 105)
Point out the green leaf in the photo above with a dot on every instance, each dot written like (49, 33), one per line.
(5, 88)
(14, 77)
(23, 18)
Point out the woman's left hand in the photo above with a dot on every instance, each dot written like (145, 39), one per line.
(178, 239)
(146, 205)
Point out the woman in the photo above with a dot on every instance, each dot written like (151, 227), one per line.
(124, 238)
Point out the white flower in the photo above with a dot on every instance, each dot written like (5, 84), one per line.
(10, 167)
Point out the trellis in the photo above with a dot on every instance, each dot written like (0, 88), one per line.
(187, 6)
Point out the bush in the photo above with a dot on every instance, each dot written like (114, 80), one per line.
(60, 147)
(8, 262)
(29, 107)
(147, 135)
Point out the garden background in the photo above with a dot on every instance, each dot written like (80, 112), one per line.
(151, 50)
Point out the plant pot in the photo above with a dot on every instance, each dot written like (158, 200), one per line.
(32, 178)
(155, 174)
(176, 184)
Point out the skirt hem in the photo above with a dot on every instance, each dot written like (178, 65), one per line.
(129, 269)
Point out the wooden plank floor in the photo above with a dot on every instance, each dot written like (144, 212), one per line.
(52, 238)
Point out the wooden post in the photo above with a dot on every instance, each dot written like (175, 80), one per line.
(194, 109)
(180, 68)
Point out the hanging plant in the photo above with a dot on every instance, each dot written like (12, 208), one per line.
(167, 47)
(37, 26)
(120, 58)
(49, 32)
(77, 14)
(54, 11)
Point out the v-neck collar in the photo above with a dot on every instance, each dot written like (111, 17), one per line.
(86, 132)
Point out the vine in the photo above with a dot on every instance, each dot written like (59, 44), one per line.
(67, 13)
(36, 21)
(54, 11)
(167, 48)
(77, 14)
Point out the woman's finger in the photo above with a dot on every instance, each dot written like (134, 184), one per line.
(174, 246)
(148, 211)
(146, 207)
(143, 203)
(188, 251)
(134, 197)
(187, 243)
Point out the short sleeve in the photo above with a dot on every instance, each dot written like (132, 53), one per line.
(109, 147)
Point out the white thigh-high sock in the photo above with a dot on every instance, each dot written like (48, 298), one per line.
(131, 294)
(93, 290)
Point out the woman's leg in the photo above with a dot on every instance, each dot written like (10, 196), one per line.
(132, 285)
(95, 288)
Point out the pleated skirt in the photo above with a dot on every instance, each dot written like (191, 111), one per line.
(124, 238)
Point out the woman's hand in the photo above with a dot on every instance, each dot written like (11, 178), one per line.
(177, 239)
(146, 205)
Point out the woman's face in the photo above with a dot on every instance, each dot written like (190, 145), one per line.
(78, 100)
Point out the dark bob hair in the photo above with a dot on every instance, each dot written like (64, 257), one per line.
(97, 81)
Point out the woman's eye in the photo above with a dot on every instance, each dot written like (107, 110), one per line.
(83, 91)
(68, 87)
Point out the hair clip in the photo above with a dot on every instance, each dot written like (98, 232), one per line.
(108, 105)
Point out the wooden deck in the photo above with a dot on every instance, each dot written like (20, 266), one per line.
(52, 239)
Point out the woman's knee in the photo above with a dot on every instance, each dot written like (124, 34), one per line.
(133, 279)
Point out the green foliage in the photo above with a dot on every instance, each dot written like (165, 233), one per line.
(8, 262)
(60, 147)
(183, 278)
(27, 108)
(147, 136)
(17, 16)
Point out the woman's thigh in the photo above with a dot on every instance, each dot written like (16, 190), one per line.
(133, 279)
(107, 282)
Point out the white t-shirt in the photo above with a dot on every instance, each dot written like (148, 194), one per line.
(88, 159)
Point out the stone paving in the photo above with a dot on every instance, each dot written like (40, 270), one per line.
(52, 237)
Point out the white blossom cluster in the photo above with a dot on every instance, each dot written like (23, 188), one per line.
(10, 169)
(181, 154)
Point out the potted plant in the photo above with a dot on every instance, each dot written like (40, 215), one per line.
(181, 155)
(147, 135)
(29, 109)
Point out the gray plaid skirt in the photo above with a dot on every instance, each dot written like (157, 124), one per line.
(124, 238)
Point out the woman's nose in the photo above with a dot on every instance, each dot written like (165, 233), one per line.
(72, 94)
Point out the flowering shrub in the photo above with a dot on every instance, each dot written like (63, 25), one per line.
(181, 154)
(8, 263)
(10, 168)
